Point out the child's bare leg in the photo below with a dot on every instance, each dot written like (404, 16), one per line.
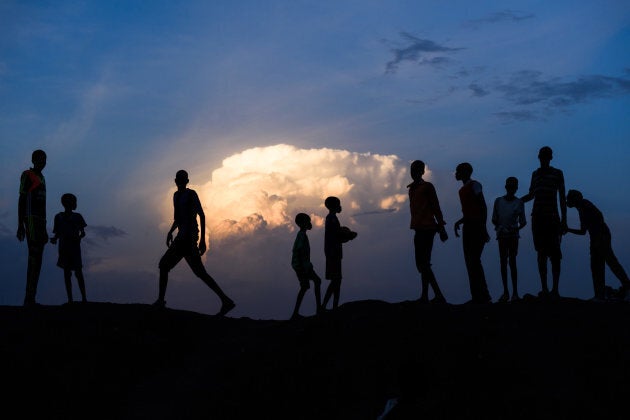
(81, 281)
(298, 302)
(328, 294)
(318, 294)
(336, 293)
(67, 274)
(542, 271)
(514, 275)
(555, 273)
(504, 263)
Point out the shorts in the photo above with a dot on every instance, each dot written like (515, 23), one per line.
(333, 268)
(70, 255)
(546, 231)
(306, 278)
(508, 247)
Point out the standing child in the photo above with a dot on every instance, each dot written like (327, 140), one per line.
(592, 220)
(508, 217)
(475, 234)
(334, 237)
(69, 228)
(301, 263)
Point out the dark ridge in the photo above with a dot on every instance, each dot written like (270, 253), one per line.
(525, 360)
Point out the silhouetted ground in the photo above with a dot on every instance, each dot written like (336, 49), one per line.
(566, 359)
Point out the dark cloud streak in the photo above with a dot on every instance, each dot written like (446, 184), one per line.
(420, 51)
(498, 17)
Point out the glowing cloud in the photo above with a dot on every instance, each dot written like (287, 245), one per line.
(264, 187)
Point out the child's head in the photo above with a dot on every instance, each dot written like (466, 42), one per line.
(181, 178)
(545, 154)
(463, 171)
(574, 198)
(333, 204)
(303, 220)
(417, 170)
(39, 159)
(511, 185)
(69, 201)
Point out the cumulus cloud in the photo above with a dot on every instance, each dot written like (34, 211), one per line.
(497, 17)
(262, 188)
(420, 51)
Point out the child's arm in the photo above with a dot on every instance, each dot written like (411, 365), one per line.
(495, 213)
(576, 231)
(457, 225)
(522, 220)
(169, 235)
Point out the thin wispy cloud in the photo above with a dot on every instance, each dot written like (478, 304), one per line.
(105, 233)
(419, 51)
(498, 17)
(511, 116)
(477, 90)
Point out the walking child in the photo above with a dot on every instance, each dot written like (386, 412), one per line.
(189, 244)
(69, 229)
(334, 236)
(592, 221)
(301, 263)
(508, 217)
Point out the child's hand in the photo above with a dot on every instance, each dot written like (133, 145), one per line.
(202, 247)
(53, 240)
(169, 239)
(443, 234)
(457, 225)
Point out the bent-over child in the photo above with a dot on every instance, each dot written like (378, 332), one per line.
(592, 221)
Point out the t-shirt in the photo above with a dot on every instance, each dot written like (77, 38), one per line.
(187, 206)
(33, 187)
(544, 186)
(591, 219)
(507, 216)
(67, 226)
(471, 207)
(301, 255)
(332, 237)
(424, 206)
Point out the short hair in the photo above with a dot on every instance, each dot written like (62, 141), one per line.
(37, 155)
(511, 180)
(302, 219)
(545, 152)
(417, 166)
(465, 167)
(67, 200)
(574, 195)
(181, 174)
(332, 202)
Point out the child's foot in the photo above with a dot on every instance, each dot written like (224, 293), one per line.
(226, 307)
(504, 298)
(295, 317)
(160, 303)
(423, 300)
(515, 298)
(438, 300)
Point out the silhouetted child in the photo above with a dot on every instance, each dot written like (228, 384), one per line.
(475, 234)
(426, 221)
(508, 217)
(592, 221)
(301, 263)
(32, 221)
(69, 228)
(334, 237)
(186, 208)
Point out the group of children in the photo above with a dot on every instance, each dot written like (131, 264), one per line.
(508, 218)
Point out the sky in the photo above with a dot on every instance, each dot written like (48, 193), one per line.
(272, 106)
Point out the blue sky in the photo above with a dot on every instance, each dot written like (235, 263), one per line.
(123, 94)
